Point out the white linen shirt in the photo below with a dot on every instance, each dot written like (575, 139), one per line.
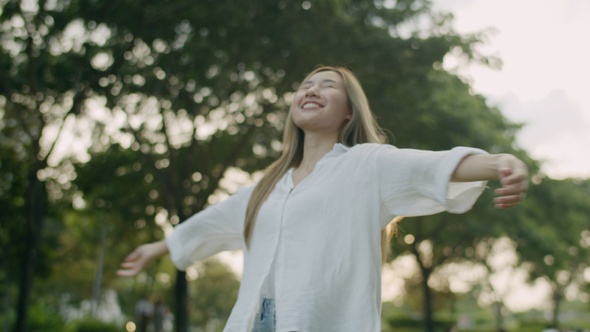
(325, 233)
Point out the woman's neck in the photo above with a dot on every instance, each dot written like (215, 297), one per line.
(314, 148)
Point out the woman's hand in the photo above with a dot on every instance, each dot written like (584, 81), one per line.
(140, 257)
(513, 175)
(511, 171)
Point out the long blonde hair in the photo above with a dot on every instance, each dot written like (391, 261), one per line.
(361, 128)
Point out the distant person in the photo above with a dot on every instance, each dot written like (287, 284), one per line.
(160, 312)
(312, 228)
(144, 311)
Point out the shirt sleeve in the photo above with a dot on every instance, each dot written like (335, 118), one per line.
(418, 182)
(217, 228)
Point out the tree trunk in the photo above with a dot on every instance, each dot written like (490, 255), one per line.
(426, 271)
(427, 306)
(499, 318)
(4, 297)
(556, 304)
(181, 297)
(34, 224)
(96, 286)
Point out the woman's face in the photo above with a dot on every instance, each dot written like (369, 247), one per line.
(321, 104)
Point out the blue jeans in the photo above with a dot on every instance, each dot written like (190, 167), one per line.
(266, 319)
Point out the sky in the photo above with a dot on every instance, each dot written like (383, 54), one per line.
(544, 80)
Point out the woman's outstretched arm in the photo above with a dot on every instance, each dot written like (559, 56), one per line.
(511, 171)
(140, 257)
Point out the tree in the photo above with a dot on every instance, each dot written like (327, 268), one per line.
(12, 198)
(181, 92)
(212, 66)
(553, 239)
(499, 258)
(36, 103)
(214, 293)
(440, 239)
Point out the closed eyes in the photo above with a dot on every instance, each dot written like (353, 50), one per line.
(322, 84)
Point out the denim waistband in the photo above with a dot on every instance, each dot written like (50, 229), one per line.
(266, 319)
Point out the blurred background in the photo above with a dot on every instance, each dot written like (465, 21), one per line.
(118, 120)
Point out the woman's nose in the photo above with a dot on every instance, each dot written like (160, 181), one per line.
(312, 91)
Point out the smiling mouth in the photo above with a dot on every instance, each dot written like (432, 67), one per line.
(310, 105)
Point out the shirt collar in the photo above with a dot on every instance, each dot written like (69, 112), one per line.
(337, 150)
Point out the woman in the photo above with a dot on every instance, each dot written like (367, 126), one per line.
(312, 226)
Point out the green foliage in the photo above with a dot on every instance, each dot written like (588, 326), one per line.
(171, 98)
(213, 293)
(92, 325)
(414, 324)
(209, 61)
(44, 318)
(532, 326)
(554, 238)
(556, 202)
(12, 199)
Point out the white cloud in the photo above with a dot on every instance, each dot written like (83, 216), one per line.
(543, 82)
(555, 131)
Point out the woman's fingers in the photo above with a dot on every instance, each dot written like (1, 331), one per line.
(132, 256)
(133, 263)
(129, 269)
(513, 176)
(511, 193)
(140, 257)
(508, 201)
